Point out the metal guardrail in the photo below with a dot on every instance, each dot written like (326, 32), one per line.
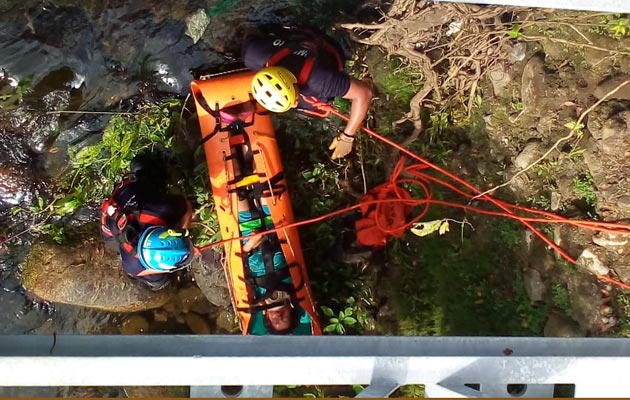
(612, 6)
(597, 367)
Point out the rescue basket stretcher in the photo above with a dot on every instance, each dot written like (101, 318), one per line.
(231, 120)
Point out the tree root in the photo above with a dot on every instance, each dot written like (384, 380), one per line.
(463, 40)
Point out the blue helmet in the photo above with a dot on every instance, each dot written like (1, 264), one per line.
(164, 249)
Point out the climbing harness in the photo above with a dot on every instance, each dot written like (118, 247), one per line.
(123, 216)
(305, 43)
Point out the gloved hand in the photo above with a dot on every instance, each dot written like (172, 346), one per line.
(341, 145)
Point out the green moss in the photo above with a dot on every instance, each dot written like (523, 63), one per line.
(449, 286)
(560, 298)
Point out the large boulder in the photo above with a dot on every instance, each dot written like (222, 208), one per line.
(210, 278)
(86, 273)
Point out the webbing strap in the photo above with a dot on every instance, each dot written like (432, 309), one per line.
(278, 56)
(305, 73)
(248, 180)
(312, 46)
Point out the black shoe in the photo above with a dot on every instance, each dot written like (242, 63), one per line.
(158, 285)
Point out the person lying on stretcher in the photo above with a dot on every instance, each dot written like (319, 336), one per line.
(283, 317)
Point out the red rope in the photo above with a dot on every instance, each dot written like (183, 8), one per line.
(418, 177)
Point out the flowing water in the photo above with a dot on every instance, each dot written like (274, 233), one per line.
(77, 55)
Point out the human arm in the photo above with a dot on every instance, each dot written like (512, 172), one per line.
(186, 219)
(360, 94)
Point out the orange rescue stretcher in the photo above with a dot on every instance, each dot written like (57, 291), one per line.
(229, 117)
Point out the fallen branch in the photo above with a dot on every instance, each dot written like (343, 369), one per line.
(570, 43)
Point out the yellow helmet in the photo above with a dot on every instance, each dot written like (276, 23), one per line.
(273, 88)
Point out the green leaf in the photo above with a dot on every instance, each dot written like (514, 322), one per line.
(574, 126)
(515, 32)
(334, 321)
(348, 311)
(327, 311)
(349, 321)
(340, 329)
(330, 328)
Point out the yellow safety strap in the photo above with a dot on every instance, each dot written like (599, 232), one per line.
(248, 180)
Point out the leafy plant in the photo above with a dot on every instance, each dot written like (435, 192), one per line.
(98, 167)
(515, 32)
(12, 96)
(324, 174)
(584, 188)
(317, 393)
(438, 123)
(575, 127)
(619, 27)
(205, 229)
(560, 298)
(339, 323)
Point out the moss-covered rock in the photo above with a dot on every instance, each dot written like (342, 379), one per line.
(87, 274)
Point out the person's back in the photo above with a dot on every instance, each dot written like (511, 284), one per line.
(298, 72)
(136, 204)
(326, 79)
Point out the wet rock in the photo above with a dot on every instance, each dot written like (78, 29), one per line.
(86, 273)
(15, 186)
(160, 315)
(153, 392)
(193, 299)
(226, 322)
(198, 324)
(534, 286)
(533, 85)
(611, 83)
(134, 325)
(559, 325)
(43, 128)
(210, 278)
(591, 263)
(584, 294)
